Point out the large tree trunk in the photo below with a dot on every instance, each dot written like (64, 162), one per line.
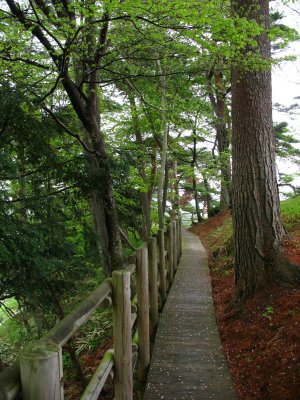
(104, 209)
(258, 230)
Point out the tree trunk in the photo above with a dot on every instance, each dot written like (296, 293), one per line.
(193, 165)
(217, 98)
(101, 192)
(175, 187)
(105, 220)
(208, 199)
(164, 149)
(145, 197)
(223, 142)
(85, 102)
(258, 230)
(165, 188)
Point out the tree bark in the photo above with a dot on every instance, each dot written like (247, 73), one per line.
(258, 230)
(105, 217)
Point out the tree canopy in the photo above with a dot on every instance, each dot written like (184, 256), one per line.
(114, 115)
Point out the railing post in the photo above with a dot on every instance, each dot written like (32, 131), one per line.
(161, 267)
(153, 289)
(175, 244)
(179, 226)
(143, 314)
(122, 335)
(41, 372)
(170, 253)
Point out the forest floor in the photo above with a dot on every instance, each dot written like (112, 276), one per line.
(262, 340)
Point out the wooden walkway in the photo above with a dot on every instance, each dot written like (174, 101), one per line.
(187, 360)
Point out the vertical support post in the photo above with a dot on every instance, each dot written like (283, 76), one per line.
(41, 372)
(143, 314)
(161, 267)
(122, 335)
(179, 237)
(153, 289)
(175, 244)
(170, 253)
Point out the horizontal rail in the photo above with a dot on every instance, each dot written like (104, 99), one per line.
(100, 376)
(64, 329)
(130, 268)
(59, 334)
(155, 268)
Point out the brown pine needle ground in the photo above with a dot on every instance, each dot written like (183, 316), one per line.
(262, 341)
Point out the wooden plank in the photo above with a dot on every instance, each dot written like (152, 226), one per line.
(99, 378)
(143, 314)
(153, 289)
(41, 372)
(161, 268)
(122, 335)
(187, 360)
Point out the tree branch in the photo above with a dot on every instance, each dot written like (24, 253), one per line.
(25, 61)
(68, 131)
(36, 30)
(45, 167)
(126, 239)
(22, 199)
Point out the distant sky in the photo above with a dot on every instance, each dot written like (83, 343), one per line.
(286, 77)
(286, 80)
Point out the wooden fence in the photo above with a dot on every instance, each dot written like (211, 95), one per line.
(136, 294)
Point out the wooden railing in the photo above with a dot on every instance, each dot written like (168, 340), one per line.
(136, 294)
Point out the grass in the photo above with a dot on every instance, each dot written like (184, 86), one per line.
(12, 305)
(220, 239)
(14, 337)
(290, 212)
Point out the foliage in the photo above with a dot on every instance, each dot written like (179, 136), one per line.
(14, 337)
(117, 53)
(285, 143)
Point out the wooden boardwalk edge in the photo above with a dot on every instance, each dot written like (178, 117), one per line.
(188, 361)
